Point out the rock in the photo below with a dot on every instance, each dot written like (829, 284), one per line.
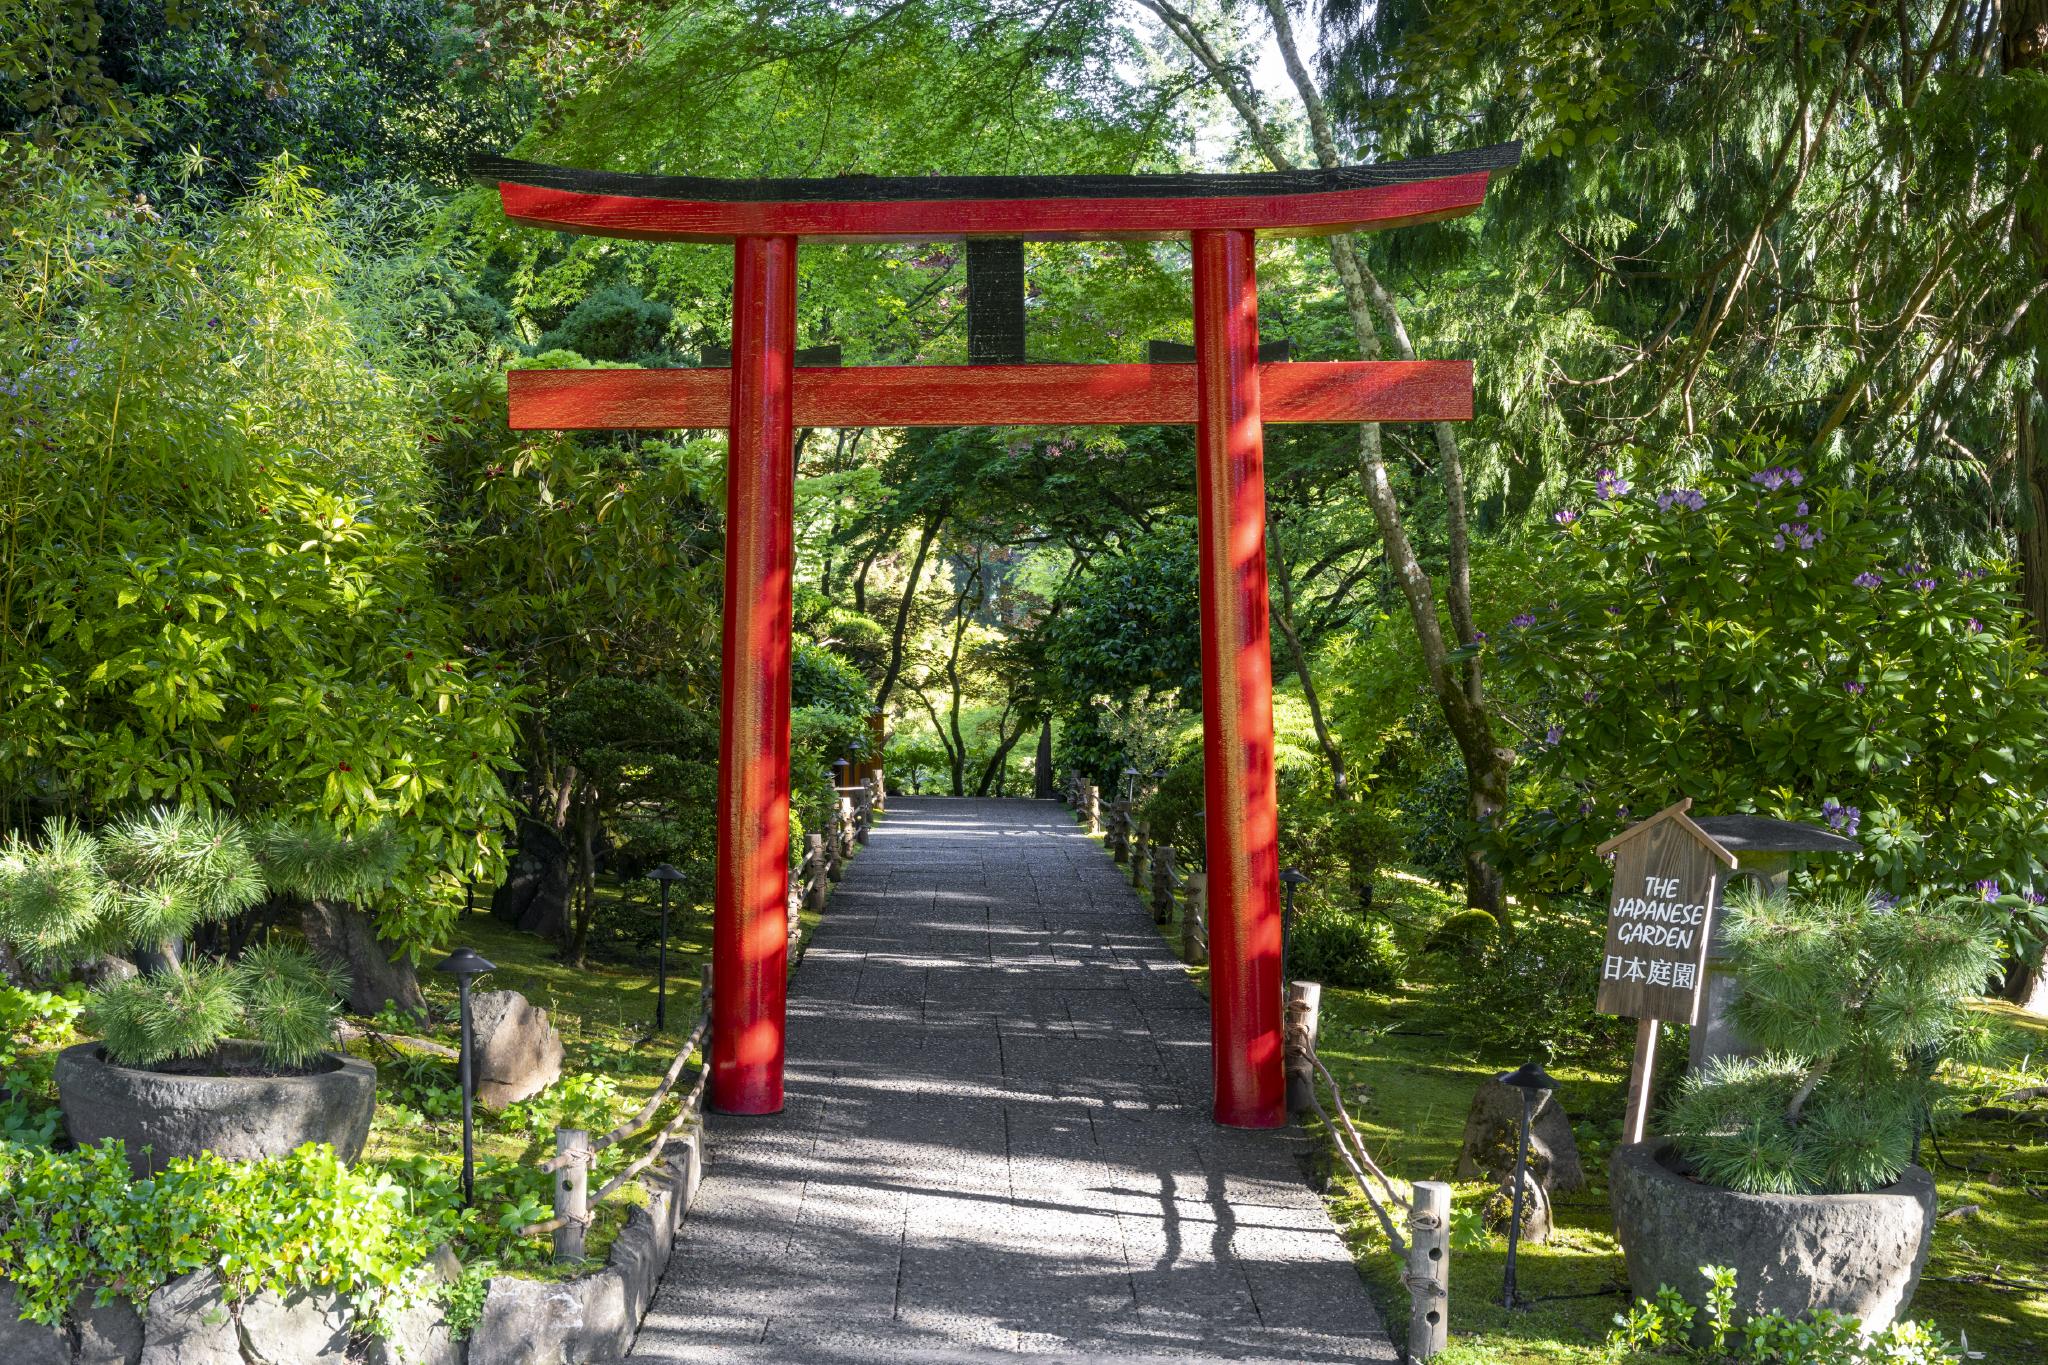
(1499, 1210)
(1857, 1254)
(28, 1343)
(108, 1334)
(377, 972)
(534, 896)
(421, 1335)
(187, 1322)
(533, 1322)
(301, 1329)
(518, 1053)
(159, 1115)
(1491, 1132)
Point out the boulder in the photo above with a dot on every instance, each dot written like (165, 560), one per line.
(188, 1322)
(108, 1334)
(1858, 1254)
(298, 1329)
(1499, 1209)
(379, 972)
(421, 1335)
(535, 1322)
(1492, 1129)
(28, 1343)
(518, 1053)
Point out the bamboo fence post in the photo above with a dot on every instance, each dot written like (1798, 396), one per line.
(572, 1192)
(1429, 1269)
(1141, 853)
(814, 871)
(861, 805)
(1092, 801)
(1162, 884)
(1304, 1022)
(1120, 831)
(1192, 949)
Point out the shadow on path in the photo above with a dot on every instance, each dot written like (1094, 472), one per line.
(997, 1143)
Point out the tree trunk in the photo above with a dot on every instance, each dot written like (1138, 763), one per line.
(902, 626)
(534, 896)
(1041, 773)
(378, 972)
(2023, 32)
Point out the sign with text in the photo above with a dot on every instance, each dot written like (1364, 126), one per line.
(1667, 882)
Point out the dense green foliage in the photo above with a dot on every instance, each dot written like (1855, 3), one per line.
(152, 881)
(1856, 1003)
(1668, 1325)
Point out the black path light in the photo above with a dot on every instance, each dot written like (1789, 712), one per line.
(466, 965)
(1533, 1081)
(1130, 784)
(667, 876)
(1290, 877)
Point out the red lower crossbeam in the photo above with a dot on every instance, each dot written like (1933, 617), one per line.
(992, 395)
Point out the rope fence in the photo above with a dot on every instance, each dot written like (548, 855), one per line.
(576, 1151)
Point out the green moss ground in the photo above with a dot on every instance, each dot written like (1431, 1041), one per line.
(1409, 1062)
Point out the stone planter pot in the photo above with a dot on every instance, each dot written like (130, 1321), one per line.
(1858, 1254)
(239, 1117)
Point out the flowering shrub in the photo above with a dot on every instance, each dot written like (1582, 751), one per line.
(1768, 641)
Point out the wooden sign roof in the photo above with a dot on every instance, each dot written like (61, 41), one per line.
(1677, 814)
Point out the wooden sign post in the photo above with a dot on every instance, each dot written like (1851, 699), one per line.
(1668, 874)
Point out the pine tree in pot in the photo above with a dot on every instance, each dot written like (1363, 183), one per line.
(1795, 1166)
(194, 1054)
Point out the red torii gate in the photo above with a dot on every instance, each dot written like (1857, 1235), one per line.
(763, 397)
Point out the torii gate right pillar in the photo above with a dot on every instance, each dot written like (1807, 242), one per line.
(1237, 689)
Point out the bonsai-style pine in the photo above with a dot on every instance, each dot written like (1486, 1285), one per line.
(141, 888)
(1856, 1004)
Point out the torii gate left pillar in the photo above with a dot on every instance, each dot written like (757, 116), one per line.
(1227, 393)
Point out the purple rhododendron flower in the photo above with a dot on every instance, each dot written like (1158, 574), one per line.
(1609, 485)
(1842, 819)
(1564, 516)
(1523, 620)
(1801, 510)
(1988, 888)
(1688, 498)
(1976, 626)
(1926, 584)
(1797, 531)
(1553, 735)
(1869, 578)
(1777, 477)
(1854, 689)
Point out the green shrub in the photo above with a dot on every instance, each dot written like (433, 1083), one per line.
(1530, 989)
(1464, 934)
(151, 880)
(1670, 1326)
(1339, 948)
(303, 1221)
(1857, 1003)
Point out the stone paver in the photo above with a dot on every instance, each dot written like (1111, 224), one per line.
(996, 1145)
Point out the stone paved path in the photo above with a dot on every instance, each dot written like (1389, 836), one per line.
(997, 1143)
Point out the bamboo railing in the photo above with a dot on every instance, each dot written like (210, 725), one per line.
(576, 1152)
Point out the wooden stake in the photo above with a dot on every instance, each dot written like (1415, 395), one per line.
(572, 1192)
(1304, 1021)
(1429, 1269)
(1640, 1075)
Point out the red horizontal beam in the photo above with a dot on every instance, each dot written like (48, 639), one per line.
(992, 395)
(1288, 215)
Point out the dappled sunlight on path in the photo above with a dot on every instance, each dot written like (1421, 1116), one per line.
(997, 1143)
